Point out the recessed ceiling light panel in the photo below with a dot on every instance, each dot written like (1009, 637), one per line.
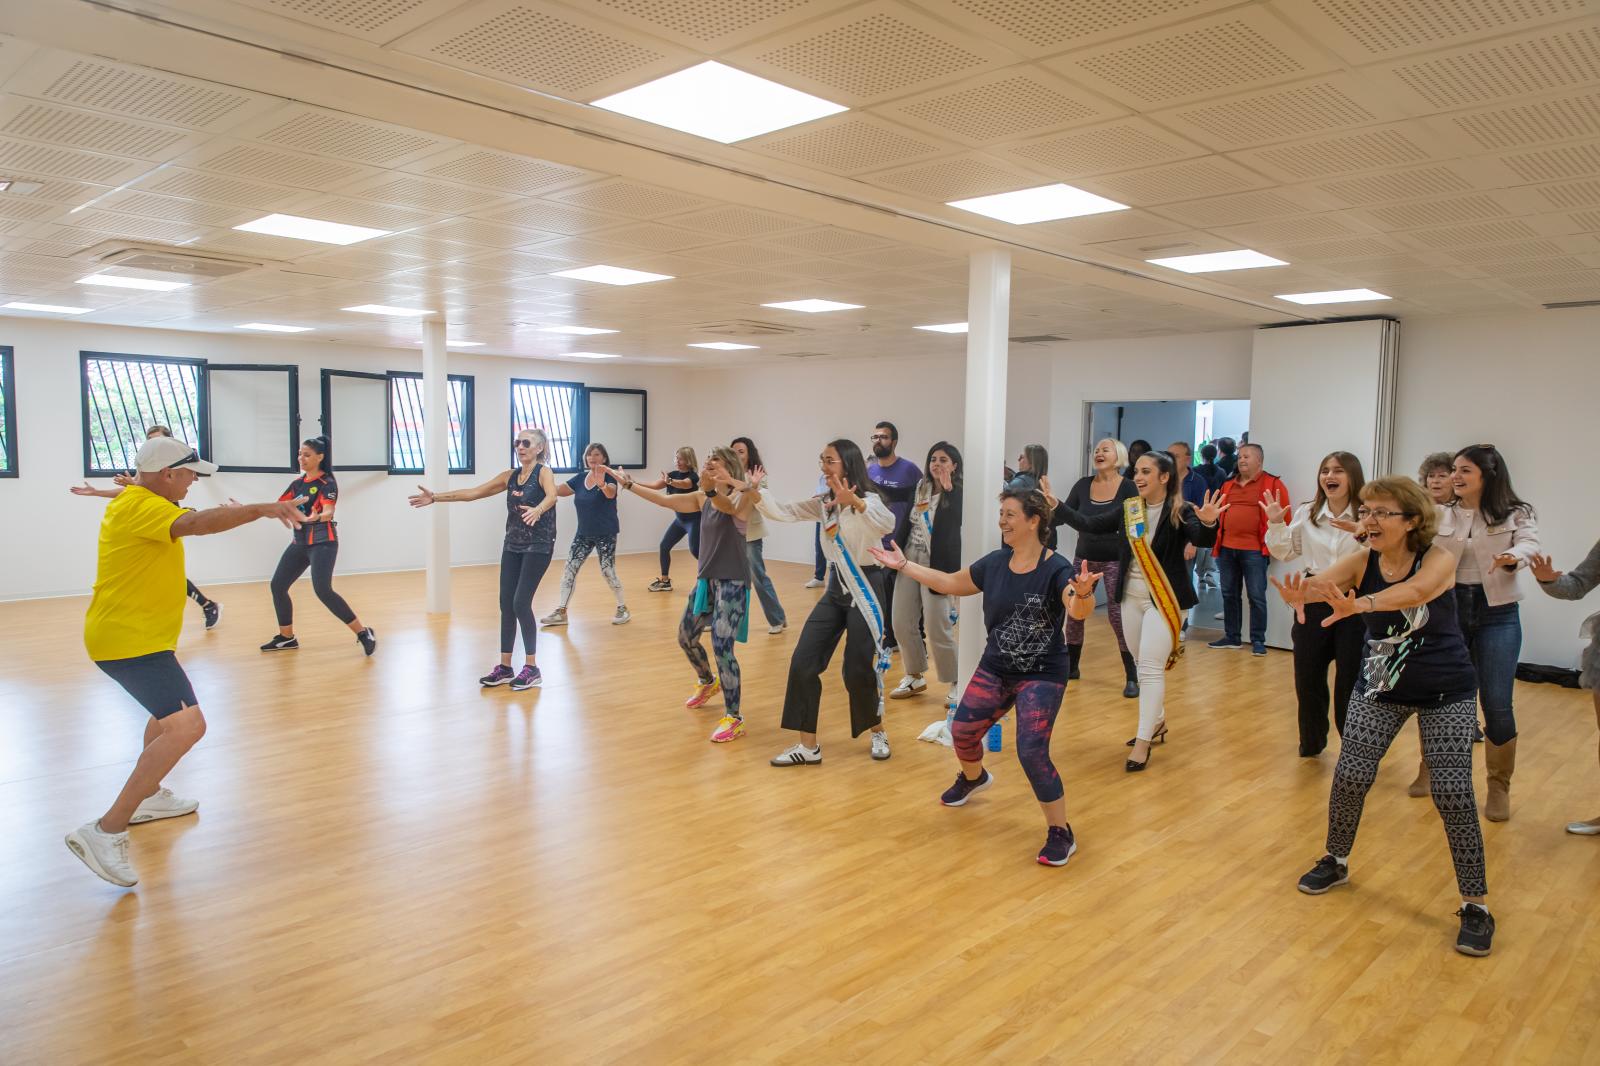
(724, 346)
(382, 309)
(717, 102)
(1208, 262)
(575, 331)
(947, 327)
(463, 344)
(1043, 204)
(50, 309)
(272, 327)
(116, 281)
(312, 229)
(591, 355)
(812, 307)
(1332, 296)
(610, 275)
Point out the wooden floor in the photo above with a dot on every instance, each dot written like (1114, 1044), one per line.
(391, 865)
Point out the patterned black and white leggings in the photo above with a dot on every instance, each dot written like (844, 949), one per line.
(579, 552)
(1370, 727)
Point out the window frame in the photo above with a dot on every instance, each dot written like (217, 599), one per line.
(292, 465)
(202, 402)
(644, 422)
(580, 418)
(469, 423)
(8, 395)
(325, 419)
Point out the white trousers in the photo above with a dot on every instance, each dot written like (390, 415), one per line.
(1150, 643)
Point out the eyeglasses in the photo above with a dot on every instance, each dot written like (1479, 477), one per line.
(1379, 513)
(880, 436)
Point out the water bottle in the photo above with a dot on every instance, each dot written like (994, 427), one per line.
(994, 737)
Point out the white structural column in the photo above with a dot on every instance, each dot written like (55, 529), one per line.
(984, 439)
(436, 461)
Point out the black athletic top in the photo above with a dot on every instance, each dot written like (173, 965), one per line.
(1096, 547)
(1416, 656)
(521, 537)
(320, 488)
(680, 482)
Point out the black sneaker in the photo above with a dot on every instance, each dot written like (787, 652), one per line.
(528, 678)
(368, 640)
(1328, 873)
(281, 643)
(213, 612)
(1059, 846)
(1477, 930)
(964, 789)
(1223, 643)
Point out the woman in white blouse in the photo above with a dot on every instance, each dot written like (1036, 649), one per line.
(1319, 534)
(854, 518)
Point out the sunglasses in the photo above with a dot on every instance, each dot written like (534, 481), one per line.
(522, 444)
(192, 457)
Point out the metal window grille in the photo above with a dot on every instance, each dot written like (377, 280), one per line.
(555, 407)
(406, 455)
(124, 395)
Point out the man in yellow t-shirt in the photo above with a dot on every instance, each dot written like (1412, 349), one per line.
(131, 633)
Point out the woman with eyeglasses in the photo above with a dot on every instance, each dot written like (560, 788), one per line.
(682, 479)
(1401, 585)
(721, 599)
(755, 534)
(1320, 534)
(530, 540)
(1102, 492)
(594, 497)
(1494, 535)
(315, 545)
(1575, 586)
(854, 518)
(934, 542)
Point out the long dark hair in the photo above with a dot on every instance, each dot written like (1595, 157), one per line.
(855, 467)
(1352, 469)
(1038, 460)
(955, 457)
(320, 446)
(1166, 464)
(1499, 498)
(751, 449)
(1034, 505)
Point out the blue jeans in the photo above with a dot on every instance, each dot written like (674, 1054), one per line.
(1494, 640)
(1237, 566)
(763, 586)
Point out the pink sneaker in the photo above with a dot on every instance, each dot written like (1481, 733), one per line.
(702, 693)
(728, 729)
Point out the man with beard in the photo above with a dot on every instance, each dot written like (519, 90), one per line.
(897, 479)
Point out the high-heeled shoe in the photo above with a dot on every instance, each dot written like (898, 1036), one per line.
(1136, 767)
(1158, 737)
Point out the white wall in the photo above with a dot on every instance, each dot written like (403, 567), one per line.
(48, 539)
(1158, 422)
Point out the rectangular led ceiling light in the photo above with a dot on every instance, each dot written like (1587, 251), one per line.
(52, 309)
(272, 327)
(591, 355)
(1238, 259)
(719, 103)
(724, 346)
(948, 327)
(576, 331)
(116, 282)
(1332, 296)
(812, 307)
(381, 309)
(312, 229)
(1044, 204)
(463, 344)
(610, 275)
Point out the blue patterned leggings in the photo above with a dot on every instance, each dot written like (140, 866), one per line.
(986, 700)
(1370, 726)
(579, 553)
(729, 601)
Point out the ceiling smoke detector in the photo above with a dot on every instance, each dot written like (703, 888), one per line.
(192, 266)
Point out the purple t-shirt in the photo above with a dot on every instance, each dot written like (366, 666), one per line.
(898, 481)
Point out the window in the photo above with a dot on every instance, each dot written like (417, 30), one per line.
(355, 419)
(616, 418)
(405, 423)
(124, 395)
(555, 407)
(8, 413)
(255, 412)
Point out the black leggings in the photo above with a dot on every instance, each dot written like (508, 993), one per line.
(319, 557)
(195, 594)
(520, 574)
(683, 525)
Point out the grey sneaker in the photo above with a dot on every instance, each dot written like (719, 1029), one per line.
(557, 617)
(880, 746)
(622, 617)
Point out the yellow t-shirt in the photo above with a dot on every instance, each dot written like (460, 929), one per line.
(139, 587)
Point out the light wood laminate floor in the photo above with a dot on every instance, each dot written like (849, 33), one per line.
(391, 865)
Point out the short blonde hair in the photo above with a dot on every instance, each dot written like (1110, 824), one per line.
(1120, 448)
(731, 460)
(1414, 503)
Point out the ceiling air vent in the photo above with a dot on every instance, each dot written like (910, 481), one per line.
(748, 327)
(1571, 303)
(192, 265)
(800, 355)
(1038, 338)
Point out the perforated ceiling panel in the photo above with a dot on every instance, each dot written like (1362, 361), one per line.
(1554, 164)
(437, 196)
(282, 168)
(373, 20)
(1015, 102)
(708, 24)
(345, 137)
(1122, 145)
(101, 85)
(1374, 29)
(1548, 120)
(1044, 26)
(848, 144)
(174, 209)
(732, 221)
(557, 218)
(23, 158)
(1532, 63)
(1434, 212)
(194, 185)
(471, 165)
(1486, 233)
(1399, 185)
(1277, 115)
(1366, 150)
(72, 128)
(629, 198)
(1179, 181)
(955, 179)
(1241, 207)
(828, 240)
(1572, 194)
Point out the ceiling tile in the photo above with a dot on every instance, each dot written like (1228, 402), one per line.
(631, 199)
(956, 178)
(1016, 101)
(1283, 114)
(1531, 63)
(1365, 31)
(848, 143)
(1213, 175)
(1121, 145)
(370, 20)
(137, 92)
(1042, 27)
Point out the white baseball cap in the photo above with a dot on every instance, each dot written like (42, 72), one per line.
(169, 453)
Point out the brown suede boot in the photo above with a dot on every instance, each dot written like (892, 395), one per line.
(1420, 786)
(1502, 760)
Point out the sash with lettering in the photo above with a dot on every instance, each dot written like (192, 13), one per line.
(1134, 521)
(924, 511)
(854, 580)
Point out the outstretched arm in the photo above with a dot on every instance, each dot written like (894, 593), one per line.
(496, 484)
(87, 489)
(229, 516)
(682, 502)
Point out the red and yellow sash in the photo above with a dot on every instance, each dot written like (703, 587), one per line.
(1134, 520)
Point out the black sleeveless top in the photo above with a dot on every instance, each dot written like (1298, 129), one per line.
(521, 537)
(1416, 656)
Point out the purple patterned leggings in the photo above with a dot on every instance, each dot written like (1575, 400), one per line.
(987, 698)
(1111, 582)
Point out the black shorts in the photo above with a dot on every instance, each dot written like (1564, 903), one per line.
(155, 680)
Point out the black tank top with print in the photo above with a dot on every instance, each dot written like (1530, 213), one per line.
(1416, 656)
(521, 537)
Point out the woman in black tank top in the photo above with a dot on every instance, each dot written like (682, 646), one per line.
(1416, 662)
(530, 495)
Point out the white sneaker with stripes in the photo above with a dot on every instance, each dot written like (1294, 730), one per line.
(798, 755)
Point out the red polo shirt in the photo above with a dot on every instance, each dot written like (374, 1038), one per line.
(1241, 523)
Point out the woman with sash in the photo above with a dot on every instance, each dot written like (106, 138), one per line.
(721, 597)
(935, 541)
(1153, 590)
(854, 517)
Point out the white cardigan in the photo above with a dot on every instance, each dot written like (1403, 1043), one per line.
(860, 531)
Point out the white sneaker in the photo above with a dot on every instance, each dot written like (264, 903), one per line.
(953, 697)
(909, 686)
(622, 617)
(163, 805)
(814, 583)
(880, 746)
(779, 628)
(798, 755)
(104, 853)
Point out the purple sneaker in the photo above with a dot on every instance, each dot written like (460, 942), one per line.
(498, 676)
(964, 789)
(530, 677)
(1059, 846)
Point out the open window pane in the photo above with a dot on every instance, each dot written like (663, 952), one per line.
(553, 406)
(8, 414)
(125, 395)
(255, 416)
(406, 448)
(355, 419)
(617, 420)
